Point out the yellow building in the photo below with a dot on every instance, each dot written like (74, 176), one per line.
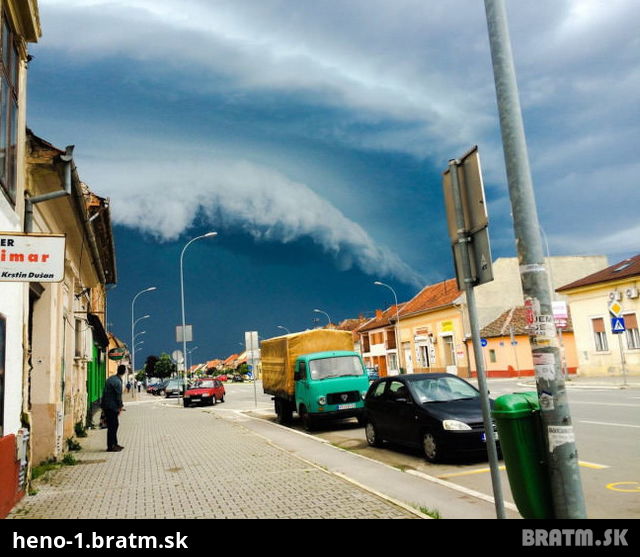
(601, 350)
(433, 332)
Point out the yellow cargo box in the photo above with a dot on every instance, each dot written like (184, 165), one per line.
(279, 355)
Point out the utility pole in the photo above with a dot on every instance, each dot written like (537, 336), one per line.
(562, 456)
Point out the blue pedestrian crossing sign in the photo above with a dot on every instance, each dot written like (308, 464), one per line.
(617, 325)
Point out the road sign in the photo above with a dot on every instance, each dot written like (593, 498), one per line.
(177, 356)
(617, 325)
(471, 202)
(615, 308)
(189, 333)
(483, 341)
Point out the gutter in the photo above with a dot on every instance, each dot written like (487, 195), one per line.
(88, 228)
(67, 158)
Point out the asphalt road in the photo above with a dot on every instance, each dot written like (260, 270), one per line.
(606, 424)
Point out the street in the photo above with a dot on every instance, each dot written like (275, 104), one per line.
(605, 420)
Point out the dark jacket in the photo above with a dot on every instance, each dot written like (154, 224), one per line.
(112, 394)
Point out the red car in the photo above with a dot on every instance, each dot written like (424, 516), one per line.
(205, 391)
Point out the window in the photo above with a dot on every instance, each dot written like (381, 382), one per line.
(366, 347)
(9, 66)
(449, 351)
(398, 390)
(425, 355)
(599, 335)
(391, 339)
(379, 390)
(631, 331)
(492, 356)
(337, 366)
(392, 361)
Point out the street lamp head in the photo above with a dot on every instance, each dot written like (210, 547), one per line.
(378, 283)
(317, 311)
(210, 234)
(150, 289)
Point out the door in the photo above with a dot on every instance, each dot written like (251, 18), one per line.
(382, 366)
(400, 411)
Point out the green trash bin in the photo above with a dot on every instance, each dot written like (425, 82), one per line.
(519, 426)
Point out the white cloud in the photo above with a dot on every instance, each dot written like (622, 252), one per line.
(164, 189)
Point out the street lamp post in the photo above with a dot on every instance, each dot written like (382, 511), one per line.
(184, 335)
(133, 324)
(397, 325)
(189, 354)
(320, 311)
(284, 329)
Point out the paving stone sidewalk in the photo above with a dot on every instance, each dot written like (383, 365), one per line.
(187, 463)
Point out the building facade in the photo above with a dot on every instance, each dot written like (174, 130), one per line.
(19, 25)
(67, 338)
(604, 348)
(507, 350)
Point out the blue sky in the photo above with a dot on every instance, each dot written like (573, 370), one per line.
(312, 137)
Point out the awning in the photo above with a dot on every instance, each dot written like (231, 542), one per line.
(99, 334)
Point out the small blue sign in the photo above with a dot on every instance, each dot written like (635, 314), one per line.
(483, 341)
(617, 325)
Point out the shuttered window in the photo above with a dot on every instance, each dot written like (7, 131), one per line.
(9, 72)
(599, 335)
(631, 331)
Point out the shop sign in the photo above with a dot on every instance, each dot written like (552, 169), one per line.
(31, 257)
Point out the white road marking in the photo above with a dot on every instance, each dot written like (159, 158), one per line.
(627, 405)
(609, 423)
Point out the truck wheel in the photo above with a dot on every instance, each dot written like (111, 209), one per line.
(308, 421)
(283, 411)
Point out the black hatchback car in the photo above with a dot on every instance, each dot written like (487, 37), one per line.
(439, 412)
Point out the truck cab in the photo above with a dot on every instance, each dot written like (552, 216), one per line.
(329, 385)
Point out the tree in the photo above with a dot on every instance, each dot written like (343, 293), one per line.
(164, 367)
(149, 366)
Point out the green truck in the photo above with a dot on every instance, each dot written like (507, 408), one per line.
(315, 373)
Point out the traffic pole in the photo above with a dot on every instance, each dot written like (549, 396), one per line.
(558, 433)
(462, 248)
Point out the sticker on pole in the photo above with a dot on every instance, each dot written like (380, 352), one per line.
(560, 435)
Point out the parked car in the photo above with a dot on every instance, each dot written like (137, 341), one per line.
(157, 388)
(373, 374)
(237, 378)
(222, 378)
(207, 391)
(174, 387)
(439, 412)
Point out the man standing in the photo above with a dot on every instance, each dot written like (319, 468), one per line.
(112, 406)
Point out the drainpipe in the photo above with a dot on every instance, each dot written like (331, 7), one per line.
(67, 158)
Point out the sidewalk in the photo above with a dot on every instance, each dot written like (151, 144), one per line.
(189, 463)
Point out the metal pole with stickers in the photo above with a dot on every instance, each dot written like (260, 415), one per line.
(557, 428)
